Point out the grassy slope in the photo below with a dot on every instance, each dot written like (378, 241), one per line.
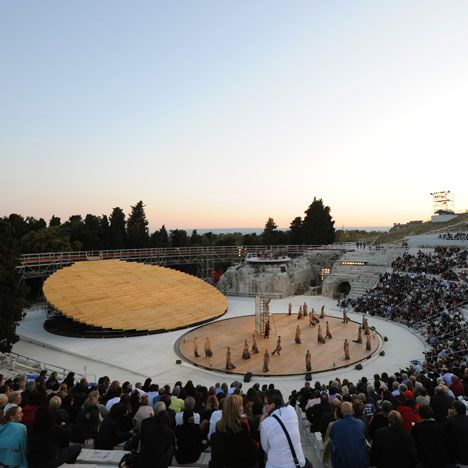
(423, 228)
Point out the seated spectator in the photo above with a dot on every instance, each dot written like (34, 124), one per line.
(441, 402)
(143, 412)
(48, 442)
(348, 440)
(272, 436)
(14, 399)
(380, 419)
(110, 432)
(189, 438)
(36, 400)
(408, 411)
(158, 446)
(189, 404)
(431, 440)
(231, 444)
(114, 393)
(456, 387)
(59, 414)
(87, 421)
(457, 429)
(177, 404)
(393, 446)
(212, 404)
(13, 439)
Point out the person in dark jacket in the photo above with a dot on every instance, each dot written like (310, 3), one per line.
(48, 442)
(441, 402)
(231, 444)
(431, 440)
(86, 422)
(457, 429)
(393, 446)
(317, 413)
(189, 439)
(110, 433)
(158, 445)
(380, 419)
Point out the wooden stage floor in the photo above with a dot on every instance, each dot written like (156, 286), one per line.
(233, 332)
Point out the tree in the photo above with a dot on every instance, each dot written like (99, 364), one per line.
(195, 239)
(104, 239)
(160, 238)
(118, 235)
(137, 227)
(91, 232)
(54, 221)
(295, 231)
(12, 293)
(179, 238)
(75, 229)
(50, 239)
(318, 225)
(270, 233)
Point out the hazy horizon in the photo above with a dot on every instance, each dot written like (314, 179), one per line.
(227, 113)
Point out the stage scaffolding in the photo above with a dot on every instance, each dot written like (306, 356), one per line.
(262, 315)
(41, 265)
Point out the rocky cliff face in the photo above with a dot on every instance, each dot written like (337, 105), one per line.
(297, 276)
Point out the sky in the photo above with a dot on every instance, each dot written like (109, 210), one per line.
(224, 113)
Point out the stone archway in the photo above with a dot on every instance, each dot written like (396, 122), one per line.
(343, 289)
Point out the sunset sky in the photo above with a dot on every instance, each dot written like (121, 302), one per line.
(222, 113)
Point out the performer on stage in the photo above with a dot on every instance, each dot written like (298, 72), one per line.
(368, 342)
(254, 345)
(229, 364)
(195, 347)
(246, 352)
(345, 316)
(299, 315)
(307, 361)
(278, 347)
(320, 337)
(208, 352)
(267, 329)
(313, 319)
(322, 312)
(298, 335)
(304, 310)
(346, 350)
(366, 327)
(266, 361)
(359, 336)
(289, 309)
(327, 331)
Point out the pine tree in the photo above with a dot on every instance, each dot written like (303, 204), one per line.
(118, 236)
(179, 238)
(54, 221)
(104, 238)
(160, 238)
(295, 231)
(12, 293)
(195, 239)
(137, 227)
(270, 233)
(318, 225)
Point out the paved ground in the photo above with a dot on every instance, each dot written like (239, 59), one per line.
(153, 356)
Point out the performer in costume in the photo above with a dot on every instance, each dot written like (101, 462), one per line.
(298, 335)
(278, 347)
(229, 364)
(359, 336)
(195, 347)
(366, 327)
(254, 345)
(368, 342)
(246, 352)
(266, 361)
(345, 316)
(208, 352)
(320, 337)
(307, 361)
(327, 331)
(304, 310)
(299, 315)
(346, 350)
(322, 312)
(267, 330)
(289, 309)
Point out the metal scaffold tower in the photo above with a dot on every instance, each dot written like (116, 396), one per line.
(262, 315)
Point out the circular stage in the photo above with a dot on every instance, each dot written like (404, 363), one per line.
(233, 332)
(107, 298)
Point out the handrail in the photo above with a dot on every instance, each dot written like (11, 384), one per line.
(12, 358)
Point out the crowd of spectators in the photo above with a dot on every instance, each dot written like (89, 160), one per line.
(456, 236)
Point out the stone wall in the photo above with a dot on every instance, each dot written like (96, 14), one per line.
(297, 276)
